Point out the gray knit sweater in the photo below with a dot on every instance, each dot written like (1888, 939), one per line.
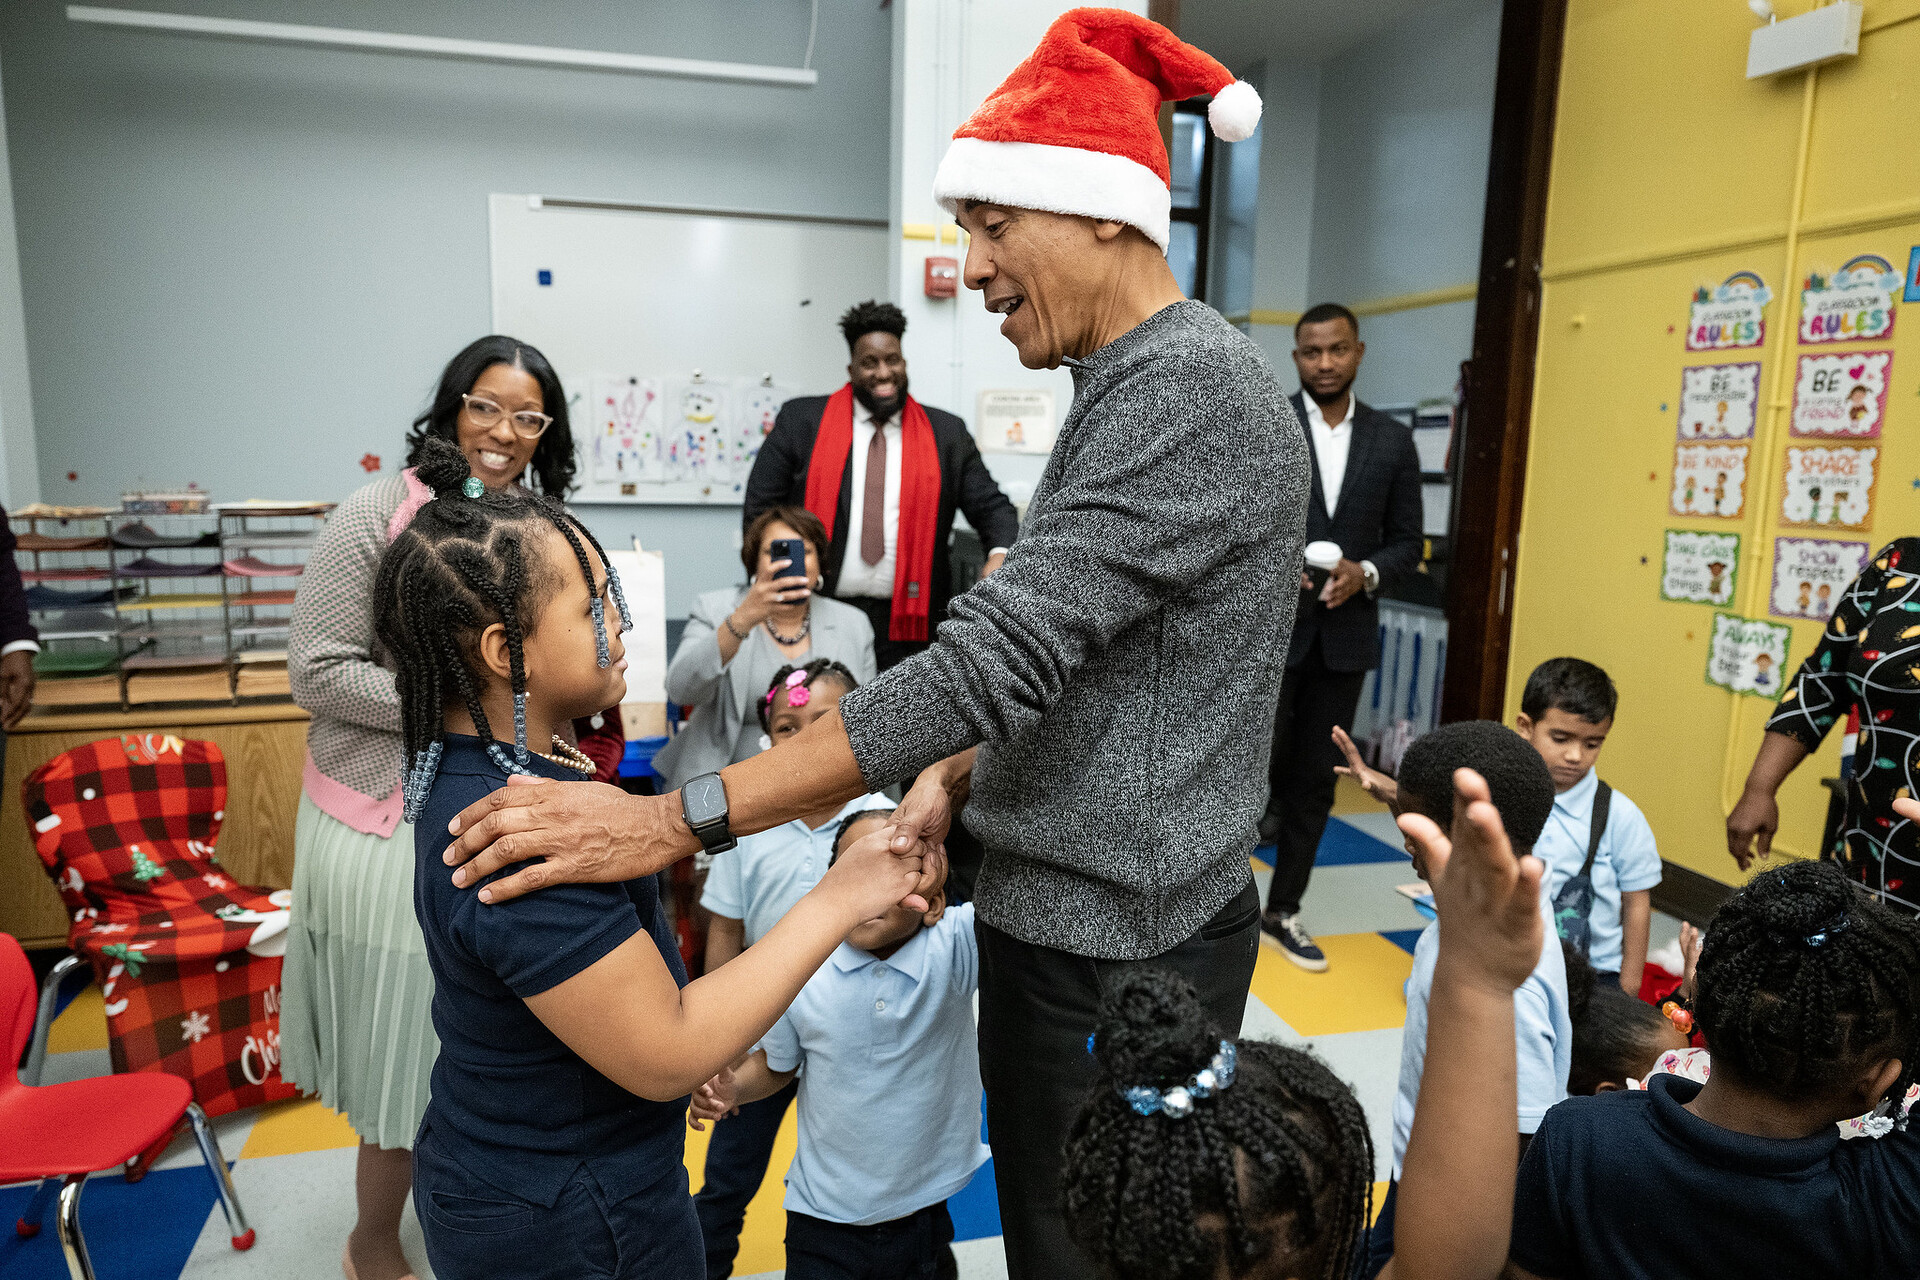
(1120, 670)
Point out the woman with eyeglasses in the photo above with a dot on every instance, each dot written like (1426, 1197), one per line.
(355, 1026)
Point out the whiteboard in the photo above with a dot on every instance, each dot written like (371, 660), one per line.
(677, 333)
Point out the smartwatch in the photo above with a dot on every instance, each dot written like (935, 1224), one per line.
(704, 802)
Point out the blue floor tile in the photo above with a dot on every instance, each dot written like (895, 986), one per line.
(975, 1208)
(138, 1231)
(1341, 845)
(1402, 938)
(1344, 845)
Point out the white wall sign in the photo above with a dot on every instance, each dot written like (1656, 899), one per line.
(1842, 395)
(1717, 401)
(1810, 573)
(1709, 480)
(1730, 314)
(1829, 485)
(1748, 655)
(1699, 567)
(1855, 302)
(1015, 421)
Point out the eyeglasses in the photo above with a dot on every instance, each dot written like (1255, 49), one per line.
(527, 424)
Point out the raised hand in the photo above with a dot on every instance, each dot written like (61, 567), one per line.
(1372, 781)
(1691, 940)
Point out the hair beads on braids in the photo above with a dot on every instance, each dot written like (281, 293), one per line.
(1282, 1158)
(1805, 982)
(462, 565)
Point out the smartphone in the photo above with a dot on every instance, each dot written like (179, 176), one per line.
(789, 556)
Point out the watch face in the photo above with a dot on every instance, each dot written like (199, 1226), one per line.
(705, 800)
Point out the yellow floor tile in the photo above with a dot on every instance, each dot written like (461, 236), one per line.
(297, 1125)
(763, 1238)
(81, 1025)
(1364, 988)
(1350, 797)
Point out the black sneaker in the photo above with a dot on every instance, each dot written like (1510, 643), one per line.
(1295, 940)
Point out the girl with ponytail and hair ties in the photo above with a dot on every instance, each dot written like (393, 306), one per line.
(1198, 1157)
(569, 1034)
(354, 1026)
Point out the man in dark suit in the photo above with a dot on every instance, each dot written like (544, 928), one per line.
(1366, 498)
(886, 488)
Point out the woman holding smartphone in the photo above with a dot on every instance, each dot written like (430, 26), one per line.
(737, 637)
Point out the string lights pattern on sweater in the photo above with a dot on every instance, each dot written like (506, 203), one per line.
(1869, 657)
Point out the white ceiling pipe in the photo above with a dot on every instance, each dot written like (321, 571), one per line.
(441, 47)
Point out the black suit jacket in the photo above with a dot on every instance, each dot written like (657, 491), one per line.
(15, 624)
(1380, 518)
(779, 478)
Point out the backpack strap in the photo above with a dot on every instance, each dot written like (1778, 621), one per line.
(1602, 801)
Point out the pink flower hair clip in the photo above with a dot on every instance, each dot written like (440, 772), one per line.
(798, 695)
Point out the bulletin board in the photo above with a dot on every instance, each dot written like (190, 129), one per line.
(1678, 530)
(678, 333)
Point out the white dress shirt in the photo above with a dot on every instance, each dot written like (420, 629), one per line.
(1331, 445)
(857, 577)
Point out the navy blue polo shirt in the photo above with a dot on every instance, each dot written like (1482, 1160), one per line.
(1633, 1186)
(510, 1100)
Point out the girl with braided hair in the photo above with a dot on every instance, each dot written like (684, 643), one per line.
(1197, 1157)
(569, 1034)
(1806, 994)
(354, 1025)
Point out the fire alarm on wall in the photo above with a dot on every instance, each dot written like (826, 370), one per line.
(943, 277)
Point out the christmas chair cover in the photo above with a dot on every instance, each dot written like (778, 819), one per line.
(188, 960)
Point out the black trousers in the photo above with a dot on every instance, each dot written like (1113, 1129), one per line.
(1300, 773)
(737, 1156)
(916, 1247)
(886, 653)
(1037, 1008)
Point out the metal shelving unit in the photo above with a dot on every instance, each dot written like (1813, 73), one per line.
(156, 603)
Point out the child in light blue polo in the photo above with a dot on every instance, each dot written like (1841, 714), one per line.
(1602, 889)
(748, 889)
(882, 1040)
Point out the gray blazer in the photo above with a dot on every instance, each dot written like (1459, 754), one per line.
(724, 699)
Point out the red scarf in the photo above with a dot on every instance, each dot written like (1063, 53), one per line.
(919, 501)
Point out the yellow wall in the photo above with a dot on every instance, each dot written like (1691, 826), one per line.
(1670, 171)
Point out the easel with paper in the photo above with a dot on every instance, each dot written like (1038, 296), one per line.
(643, 580)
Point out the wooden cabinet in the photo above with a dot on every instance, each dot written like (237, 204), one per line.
(265, 746)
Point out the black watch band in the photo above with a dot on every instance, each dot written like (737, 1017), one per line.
(703, 801)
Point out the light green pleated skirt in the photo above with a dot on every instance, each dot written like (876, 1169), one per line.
(356, 993)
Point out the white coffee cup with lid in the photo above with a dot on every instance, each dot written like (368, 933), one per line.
(1321, 557)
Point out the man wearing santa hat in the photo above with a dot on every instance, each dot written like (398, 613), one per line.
(1104, 701)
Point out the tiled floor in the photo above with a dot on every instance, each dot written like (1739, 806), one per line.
(294, 1161)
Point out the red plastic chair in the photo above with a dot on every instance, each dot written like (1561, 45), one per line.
(71, 1131)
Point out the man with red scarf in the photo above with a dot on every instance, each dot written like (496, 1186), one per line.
(885, 475)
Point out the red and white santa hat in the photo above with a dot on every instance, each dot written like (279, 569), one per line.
(1075, 128)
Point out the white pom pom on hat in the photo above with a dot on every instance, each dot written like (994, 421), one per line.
(1234, 112)
(1075, 128)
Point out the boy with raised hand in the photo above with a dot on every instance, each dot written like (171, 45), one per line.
(1521, 790)
(1602, 862)
(1456, 1182)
